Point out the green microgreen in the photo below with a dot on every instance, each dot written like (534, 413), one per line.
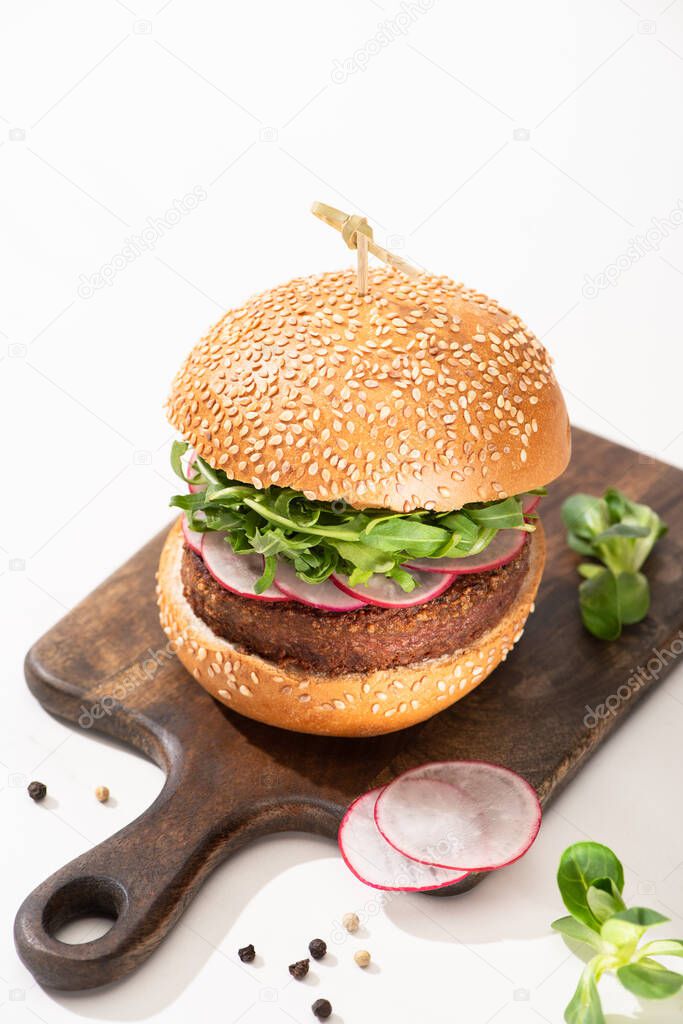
(619, 534)
(591, 881)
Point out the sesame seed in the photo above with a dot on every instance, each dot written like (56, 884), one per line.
(313, 367)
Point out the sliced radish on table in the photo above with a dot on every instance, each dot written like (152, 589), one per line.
(325, 595)
(193, 538)
(384, 592)
(237, 573)
(505, 546)
(463, 815)
(375, 862)
(530, 503)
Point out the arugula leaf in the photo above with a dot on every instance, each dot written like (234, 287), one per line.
(268, 575)
(399, 534)
(209, 474)
(460, 525)
(321, 538)
(499, 515)
(620, 534)
(178, 449)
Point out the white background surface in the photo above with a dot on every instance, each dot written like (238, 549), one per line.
(517, 146)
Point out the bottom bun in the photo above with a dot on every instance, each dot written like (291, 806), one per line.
(351, 704)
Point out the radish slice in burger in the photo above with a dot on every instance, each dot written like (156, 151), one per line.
(375, 862)
(530, 503)
(504, 547)
(384, 592)
(193, 538)
(325, 595)
(464, 815)
(237, 573)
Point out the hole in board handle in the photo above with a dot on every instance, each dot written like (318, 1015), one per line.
(84, 900)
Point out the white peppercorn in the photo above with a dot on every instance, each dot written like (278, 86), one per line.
(351, 922)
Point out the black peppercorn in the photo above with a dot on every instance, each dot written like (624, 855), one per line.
(317, 948)
(246, 954)
(37, 790)
(299, 970)
(322, 1008)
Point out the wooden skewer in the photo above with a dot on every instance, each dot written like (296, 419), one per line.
(357, 234)
(362, 270)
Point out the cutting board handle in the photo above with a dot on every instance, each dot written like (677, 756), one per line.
(142, 878)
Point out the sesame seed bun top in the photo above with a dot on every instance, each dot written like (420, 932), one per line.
(420, 394)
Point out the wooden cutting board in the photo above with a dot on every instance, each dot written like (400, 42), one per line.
(229, 779)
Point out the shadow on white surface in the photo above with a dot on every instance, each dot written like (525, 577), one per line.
(184, 953)
(467, 918)
(650, 1012)
(99, 737)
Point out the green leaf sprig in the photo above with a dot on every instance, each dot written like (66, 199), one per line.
(591, 881)
(620, 534)
(320, 538)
